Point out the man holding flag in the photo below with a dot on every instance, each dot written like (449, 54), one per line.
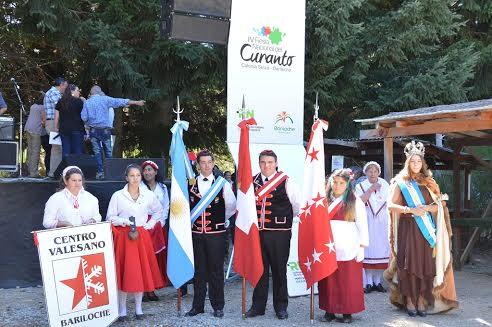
(213, 203)
(277, 203)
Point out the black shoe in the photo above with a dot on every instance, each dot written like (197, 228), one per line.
(368, 289)
(328, 317)
(219, 313)
(380, 288)
(251, 313)
(139, 316)
(282, 315)
(422, 313)
(346, 319)
(153, 297)
(122, 318)
(412, 313)
(193, 312)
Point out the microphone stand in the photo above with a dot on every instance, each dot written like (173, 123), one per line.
(22, 112)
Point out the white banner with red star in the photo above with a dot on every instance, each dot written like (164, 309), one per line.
(79, 275)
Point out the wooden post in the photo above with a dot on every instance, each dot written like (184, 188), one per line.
(179, 302)
(457, 206)
(388, 158)
(311, 307)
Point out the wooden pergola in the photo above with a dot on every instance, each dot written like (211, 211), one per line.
(460, 125)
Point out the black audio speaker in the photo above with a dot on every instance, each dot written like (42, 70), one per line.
(114, 168)
(9, 155)
(198, 29)
(7, 129)
(85, 162)
(217, 8)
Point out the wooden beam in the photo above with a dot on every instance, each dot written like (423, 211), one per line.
(428, 128)
(349, 144)
(456, 182)
(388, 158)
(477, 134)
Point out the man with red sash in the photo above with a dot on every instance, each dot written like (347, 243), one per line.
(277, 203)
(212, 203)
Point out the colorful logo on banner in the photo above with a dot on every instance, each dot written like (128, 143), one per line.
(264, 50)
(245, 113)
(282, 120)
(85, 279)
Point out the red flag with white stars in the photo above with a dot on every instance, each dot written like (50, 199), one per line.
(316, 250)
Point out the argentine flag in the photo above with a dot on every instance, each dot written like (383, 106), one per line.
(180, 264)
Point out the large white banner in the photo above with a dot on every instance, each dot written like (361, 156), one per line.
(265, 81)
(79, 276)
(265, 64)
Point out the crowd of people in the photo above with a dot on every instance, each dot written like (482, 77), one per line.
(411, 210)
(61, 120)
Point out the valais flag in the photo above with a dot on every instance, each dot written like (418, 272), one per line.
(316, 250)
(247, 250)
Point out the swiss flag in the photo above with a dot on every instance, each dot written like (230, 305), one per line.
(316, 250)
(247, 250)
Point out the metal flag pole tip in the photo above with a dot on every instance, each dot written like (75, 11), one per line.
(178, 109)
(316, 108)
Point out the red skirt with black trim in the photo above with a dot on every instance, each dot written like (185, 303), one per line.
(342, 291)
(136, 266)
(159, 241)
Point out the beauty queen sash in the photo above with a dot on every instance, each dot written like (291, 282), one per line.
(207, 198)
(414, 198)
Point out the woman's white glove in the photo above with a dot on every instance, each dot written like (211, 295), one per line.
(150, 224)
(360, 254)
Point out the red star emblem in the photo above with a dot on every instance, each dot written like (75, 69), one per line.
(78, 286)
(319, 200)
(313, 155)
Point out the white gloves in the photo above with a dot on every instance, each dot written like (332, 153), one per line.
(150, 224)
(360, 254)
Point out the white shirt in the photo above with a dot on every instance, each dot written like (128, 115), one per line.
(292, 193)
(61, 207)
(229, 197)
(350, 235)
(161, 193)
(122, 206)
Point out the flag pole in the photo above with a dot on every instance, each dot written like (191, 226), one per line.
(311, 313)
(244, 299)
(179, 302)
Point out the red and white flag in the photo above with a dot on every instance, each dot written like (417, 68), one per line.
(247, 249)
(316, 250)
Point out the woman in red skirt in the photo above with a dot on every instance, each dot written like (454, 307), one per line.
(342, 292)
(136, 266)
(152, 178)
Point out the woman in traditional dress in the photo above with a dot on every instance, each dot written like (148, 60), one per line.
(373, 191)
(342, 292)
(420, 273)
(153, 181)
(136, 266)
(71, 205)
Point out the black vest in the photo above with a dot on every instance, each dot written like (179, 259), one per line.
(212, 220)
(278, 209)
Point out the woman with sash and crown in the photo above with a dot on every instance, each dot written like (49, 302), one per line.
(373, 191)
(420, 272)
(342, 292)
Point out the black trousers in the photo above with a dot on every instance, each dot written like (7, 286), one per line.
(209, 268)
(275, 247)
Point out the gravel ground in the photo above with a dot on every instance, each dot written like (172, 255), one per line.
(26, 307)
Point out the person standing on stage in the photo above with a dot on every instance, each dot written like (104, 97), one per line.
(34, 131)
(215, 203)
(136, 266)
(278, 202)
(96, 115)
(373, 191)
(420, 273)
(3, 105)
(71, 205)
(153, 180)
(51, 98)
(342, 292)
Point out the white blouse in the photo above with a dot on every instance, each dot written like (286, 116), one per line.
(162, 195)
(350, 238)
(62, 206)
(122, 206)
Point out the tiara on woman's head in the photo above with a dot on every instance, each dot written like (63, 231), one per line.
(414, 148)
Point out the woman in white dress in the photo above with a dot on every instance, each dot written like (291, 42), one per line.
(136, 266)
(373, 191)
(72, 205)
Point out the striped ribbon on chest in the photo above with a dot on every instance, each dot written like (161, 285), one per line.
(206, 199)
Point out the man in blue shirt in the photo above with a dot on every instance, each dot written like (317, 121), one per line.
(96, 115)
(3, 105)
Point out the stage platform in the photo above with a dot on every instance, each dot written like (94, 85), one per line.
(21, 212)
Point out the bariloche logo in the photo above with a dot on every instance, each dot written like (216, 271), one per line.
(273, 34)
(83, 279)
(283, 117)
(266, 46)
